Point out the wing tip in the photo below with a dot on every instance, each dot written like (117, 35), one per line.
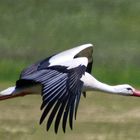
(87, 45)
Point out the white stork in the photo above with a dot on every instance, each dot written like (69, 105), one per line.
(60, 79)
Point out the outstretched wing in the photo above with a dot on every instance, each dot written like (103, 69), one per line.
(85, 50)
(61, 90)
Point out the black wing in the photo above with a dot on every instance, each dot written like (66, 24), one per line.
(34, 67)
(61, 93)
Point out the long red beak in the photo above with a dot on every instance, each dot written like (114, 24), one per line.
(136, 93)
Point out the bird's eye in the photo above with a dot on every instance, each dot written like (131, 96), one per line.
(129, 89)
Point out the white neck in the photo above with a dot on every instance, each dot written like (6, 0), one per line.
(90, 84)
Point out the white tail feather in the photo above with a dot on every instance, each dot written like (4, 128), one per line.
(7, 91)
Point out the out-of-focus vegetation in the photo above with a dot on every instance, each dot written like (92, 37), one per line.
(33, 29)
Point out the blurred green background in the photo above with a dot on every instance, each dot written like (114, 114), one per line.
(31, 30)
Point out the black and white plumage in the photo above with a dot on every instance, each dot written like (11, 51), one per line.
(61, 90)
(61, 79)
(61, 84)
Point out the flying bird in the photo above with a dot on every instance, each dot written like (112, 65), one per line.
(61, 79)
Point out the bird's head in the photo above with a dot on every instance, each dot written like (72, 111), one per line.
(127, 90)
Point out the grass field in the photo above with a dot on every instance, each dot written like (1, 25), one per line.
(31, 30)
(100, 117)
